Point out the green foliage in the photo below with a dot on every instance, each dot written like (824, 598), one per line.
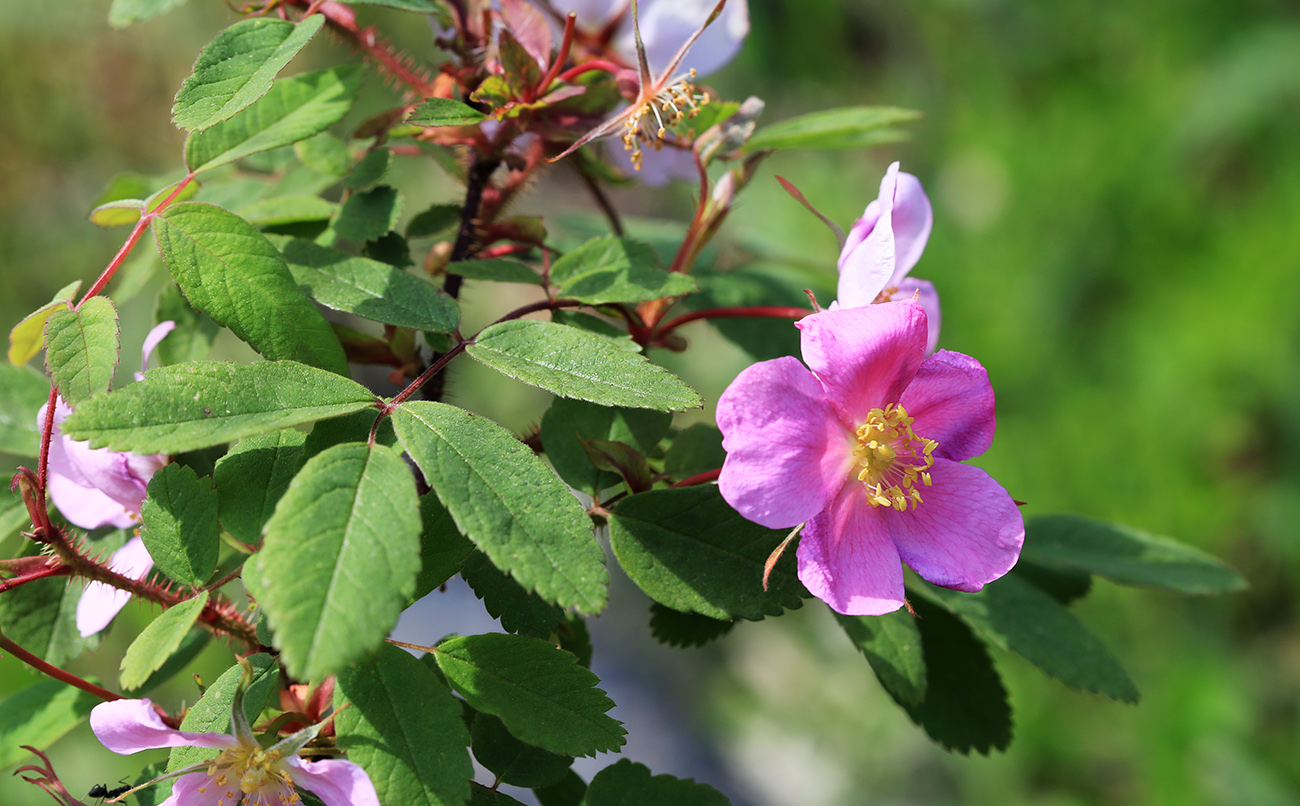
(82, 348)
(444, 112)
(160, 640)
(518, 610)
(237, 68)
(191, 645)
(180, 525)
(192, 338)
(1125, 555)
(850, 127)
(1018, 617)
(369, 169)
(39, 715)
(512, 761)
(368, 215)
(22, 393)
(211, 714)
(539, 692)
(128, 12)
(28, 336)
(566, 422)
(281, 210)
(892, 645)
(626, 783)
(687, 549)
(574, 363)
(508, 502)
(250, 479)
(403, 726)
(496, 270)
(231, 272)
(442, 547)
(369, 289)
(340, 558)
(293, 109)
(675, 628)
(616, 270)
(195, 405)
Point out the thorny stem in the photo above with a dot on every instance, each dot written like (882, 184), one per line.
(343, 21)
(53, 671)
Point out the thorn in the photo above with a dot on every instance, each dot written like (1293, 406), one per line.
(775, 556)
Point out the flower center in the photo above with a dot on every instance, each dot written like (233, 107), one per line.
(260, 778)
(648, 124)
(890, 458)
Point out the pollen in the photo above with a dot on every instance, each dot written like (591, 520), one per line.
(890, 460)
(649, 122)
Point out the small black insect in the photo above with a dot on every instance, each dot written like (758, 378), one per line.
(102, 791)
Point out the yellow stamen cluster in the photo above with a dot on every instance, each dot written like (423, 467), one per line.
(250, 775)
(648, 124)
(890, 458)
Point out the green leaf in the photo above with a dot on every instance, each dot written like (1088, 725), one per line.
(340, 557)
(512, 761)
(508, 502)
(38, 715)
(117, 213)
(688, 549)
(697, 449)
(82, 348)
(1018, 617)
(369, 289)
(324, 154)
(404, 727)
(626, 783)
(965, 706)
(435, 220)
(613, 269)
(199, 404)
(1062, 584)
(28, 336)
(281, 210)
(160, 640)
(568, 420)
(369, 169)
(849, 127)
(594, 324)
(518, 610)
(41, 616)
(618, 457)
(294, 109)
(192, 339)
(495, 270)
(191, 645)
(251, 478)
(892, 645)
(539, 691)
(675, 628)
(573, 636)
(568, 792)
(366, 216)
(22, 393)
(445, 112)
(231, 272)
(442, 547)
(573, 363)
(127, 12)
(211, 714)
(418, 6)
(180, 525)
(1125, 555)
(237, 68)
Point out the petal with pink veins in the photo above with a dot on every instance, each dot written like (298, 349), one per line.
(846, 558)
(787, 452)
(966, 532)
(952, 402)
(129, 726)
(335, 781)
(923, 292)
(864, 357)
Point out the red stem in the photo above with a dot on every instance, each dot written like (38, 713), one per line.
(698, 478)
(55, 672)
(587, 67)
(773, 311)
(561, 56)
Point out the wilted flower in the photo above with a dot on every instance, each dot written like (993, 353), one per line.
(244, 771)
(656, 37)
(866, 449)
(100, 487)
(885, 244)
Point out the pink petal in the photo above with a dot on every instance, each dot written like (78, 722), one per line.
(911, 218)
(85, 506)
(864, 357)
(100, 603)
(129, 726)
(150, 342)
(868, 258)
(923, 291)
(335, 781)
(658, 168)
(593, 14)
(667, 24)
(952, 401)
(847, 560)
(198, 789)
(966, 533)
(787, 454)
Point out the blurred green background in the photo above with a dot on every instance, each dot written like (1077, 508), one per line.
(1117, 238)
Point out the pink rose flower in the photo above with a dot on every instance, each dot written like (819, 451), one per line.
(100, 487)
(865, 446)
(243, 772)
(885, 244)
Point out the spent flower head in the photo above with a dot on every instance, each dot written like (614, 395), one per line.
(864, 446)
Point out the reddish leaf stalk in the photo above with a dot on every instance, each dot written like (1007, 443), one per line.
(698, 478)
(562, 56)
(586, 67)
(771, 311)
(54, 671)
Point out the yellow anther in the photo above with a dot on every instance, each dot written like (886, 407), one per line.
(890, 458)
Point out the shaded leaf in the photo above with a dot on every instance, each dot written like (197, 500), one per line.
(22, 393)
(192, 339)
(160, 640)
(892, 645)
(38, 715)
(626, 783)
(697, 449)
(849, 127)
(518, 610)
(496, 270)
(180, 525)
(675, 628)
(366, 216)
(512, 761)
(250, 479)
(369, 169)
(613, 269)
(442, 547)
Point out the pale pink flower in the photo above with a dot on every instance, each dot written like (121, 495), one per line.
(865, 445)
(243, 772)
(100, 487)
(885, 244)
